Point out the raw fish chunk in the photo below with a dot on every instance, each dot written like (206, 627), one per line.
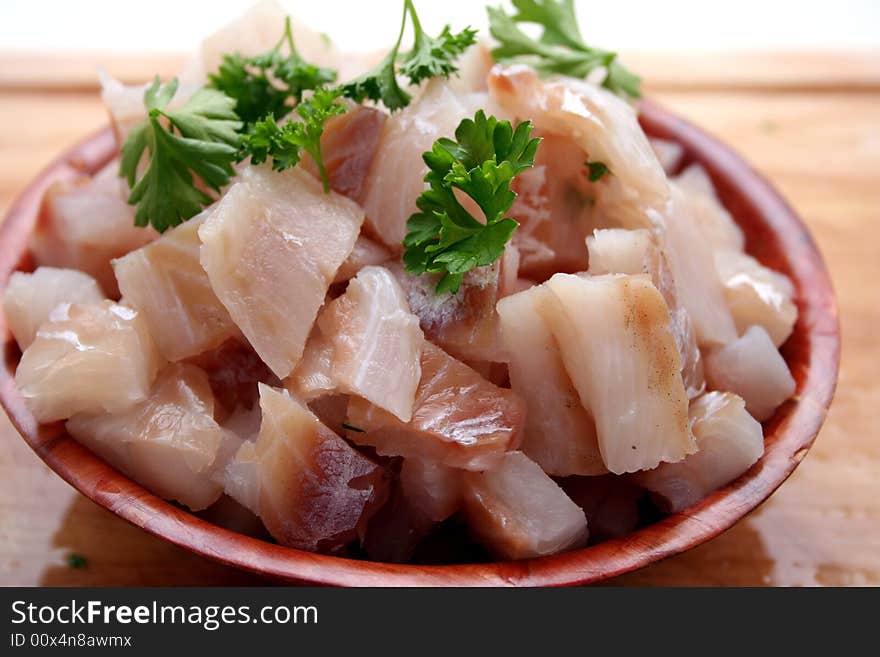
(717, 224)
(516, 511)
(271, 247)
(85, 224)
(752, 368)
(435, 489)
(376, 342)
(606, 129)
(620, 251)
(555, 207)
(473, 68)
(168, 443)
(756, 295)
(348, 146)
(241, 477)
(669, 153)
(465, 324)
(87, 359)
(611, 504)
(559, 433)
(693, 268)
(396, 529)
(313, 376)
(366, 252)
(614, 337)
(29, 298)
(234, 369)
(459, 419)
(729, 441)
(314, 491)
(166, 283)
(395, 179)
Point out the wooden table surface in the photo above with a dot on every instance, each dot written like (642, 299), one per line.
(809, 121)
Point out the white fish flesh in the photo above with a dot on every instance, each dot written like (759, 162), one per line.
(29, 298)
(716, 222)
(621, 251)
(168, 442)
(376, 342)
(311, 489)
(348, 146)
(92, 358)
(459, 419)
(165, 281)
(271, 247)
(464, 324)
(752, 368)
(435, 489)
(516, 511)
(234, 369)
(693, 268)
(86, 223)
(366, 252)
(560, 434)
(729, 441)
(614, 337)
(669, 153)
(605, 127)
(757, 295)
(396, 178)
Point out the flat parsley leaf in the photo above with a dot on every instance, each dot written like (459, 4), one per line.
(204, 145)
(264, 84)
(443, 237)
(430, 57)
(284, 143)
(560, 48)
(595, 170)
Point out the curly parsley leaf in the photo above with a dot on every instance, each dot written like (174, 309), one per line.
(284, 144)
(560, 48)
(430, 57)
(443, 237)
(204, 145)
(264, 84)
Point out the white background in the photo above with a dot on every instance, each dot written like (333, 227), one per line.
(626, 25)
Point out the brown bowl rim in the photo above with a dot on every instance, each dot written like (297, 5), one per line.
(813, 353)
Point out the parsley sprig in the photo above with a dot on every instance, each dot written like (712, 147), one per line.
(264, 84)
(560, 48)
(200, 139)
(443, 237)
(284, 144)
(430, 57)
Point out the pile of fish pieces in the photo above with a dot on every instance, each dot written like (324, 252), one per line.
(272, 350)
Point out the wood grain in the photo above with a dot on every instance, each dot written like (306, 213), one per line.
(822, 147)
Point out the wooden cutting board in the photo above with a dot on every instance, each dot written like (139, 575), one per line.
(809, 121)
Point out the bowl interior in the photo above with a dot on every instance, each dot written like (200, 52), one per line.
(774, 235)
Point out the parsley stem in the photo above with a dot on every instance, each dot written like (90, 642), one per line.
(406, 5)
(287, 36)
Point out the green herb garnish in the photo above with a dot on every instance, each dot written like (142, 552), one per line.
(560, 48)
(284, 144)
(200, 139)
(263, 85)
(445, 238)
(77, 561)
(430, 57)
(595, 170)
(351, 428)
